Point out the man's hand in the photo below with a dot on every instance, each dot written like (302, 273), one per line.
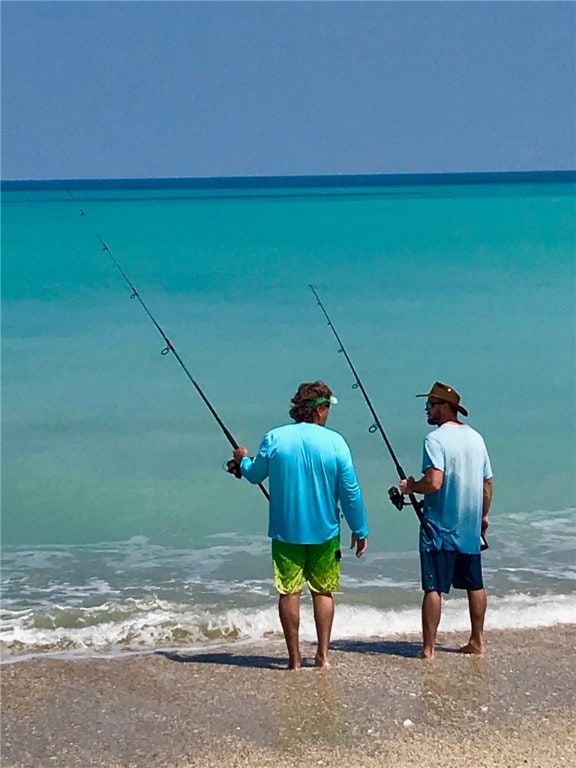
(239, 453)
(407, 485)
(360, 544)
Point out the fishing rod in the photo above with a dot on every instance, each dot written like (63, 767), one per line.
(394, 494)
(231, 466)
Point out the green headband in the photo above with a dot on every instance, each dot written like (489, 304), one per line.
(320, 400)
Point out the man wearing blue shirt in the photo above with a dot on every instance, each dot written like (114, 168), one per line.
(310, 473)
(457, 488)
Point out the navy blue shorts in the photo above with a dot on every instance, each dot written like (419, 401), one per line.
(443, 569)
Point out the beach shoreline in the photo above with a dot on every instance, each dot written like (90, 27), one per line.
(378, 705)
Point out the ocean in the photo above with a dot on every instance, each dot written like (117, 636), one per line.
(120, 530)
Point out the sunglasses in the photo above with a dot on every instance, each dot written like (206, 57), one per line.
(431, 403)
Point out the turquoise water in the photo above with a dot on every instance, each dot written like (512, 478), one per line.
(116, 514)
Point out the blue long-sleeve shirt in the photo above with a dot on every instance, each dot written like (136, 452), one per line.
(310, 473)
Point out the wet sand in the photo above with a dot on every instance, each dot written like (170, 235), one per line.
(378, 706)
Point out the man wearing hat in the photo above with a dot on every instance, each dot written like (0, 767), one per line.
(310, 473)
(457, 489)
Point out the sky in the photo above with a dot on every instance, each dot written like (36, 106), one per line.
(175, 89)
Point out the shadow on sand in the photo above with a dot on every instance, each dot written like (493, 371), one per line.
(406, 649)
(222, 657)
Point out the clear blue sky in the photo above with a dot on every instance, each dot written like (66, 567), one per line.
(179, 89)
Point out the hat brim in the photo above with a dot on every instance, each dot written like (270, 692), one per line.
(459, 408)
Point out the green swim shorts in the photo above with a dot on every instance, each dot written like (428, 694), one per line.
(317, 564)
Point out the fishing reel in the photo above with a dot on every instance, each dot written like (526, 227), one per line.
(233, 468)
(396, 498)
(400, 502)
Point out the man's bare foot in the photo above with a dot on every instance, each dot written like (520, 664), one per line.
(295, 664)
(320, 661)
(472, 648)
(427, 654)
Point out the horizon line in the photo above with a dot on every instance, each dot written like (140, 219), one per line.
(366, 179)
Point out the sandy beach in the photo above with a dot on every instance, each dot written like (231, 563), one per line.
(379, 705)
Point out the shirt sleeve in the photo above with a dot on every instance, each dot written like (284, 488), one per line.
(350, 496)
(255, 469)
(433, 454)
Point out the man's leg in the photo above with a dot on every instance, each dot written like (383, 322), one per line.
(436, 570)
(288, 560)
(323, 618)
(431, 612)
(477, 603)
(289, 610)
(322, 572)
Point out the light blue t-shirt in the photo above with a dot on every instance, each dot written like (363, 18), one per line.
(454, 513)
(310, 472)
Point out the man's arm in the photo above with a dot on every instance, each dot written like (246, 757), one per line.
(486, 502)
(350, 497)
(255, 470)
(430, 482)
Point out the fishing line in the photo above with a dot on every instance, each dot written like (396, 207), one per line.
(232, 468)
(394, 494)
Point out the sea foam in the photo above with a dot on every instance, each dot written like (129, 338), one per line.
(145, 625)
